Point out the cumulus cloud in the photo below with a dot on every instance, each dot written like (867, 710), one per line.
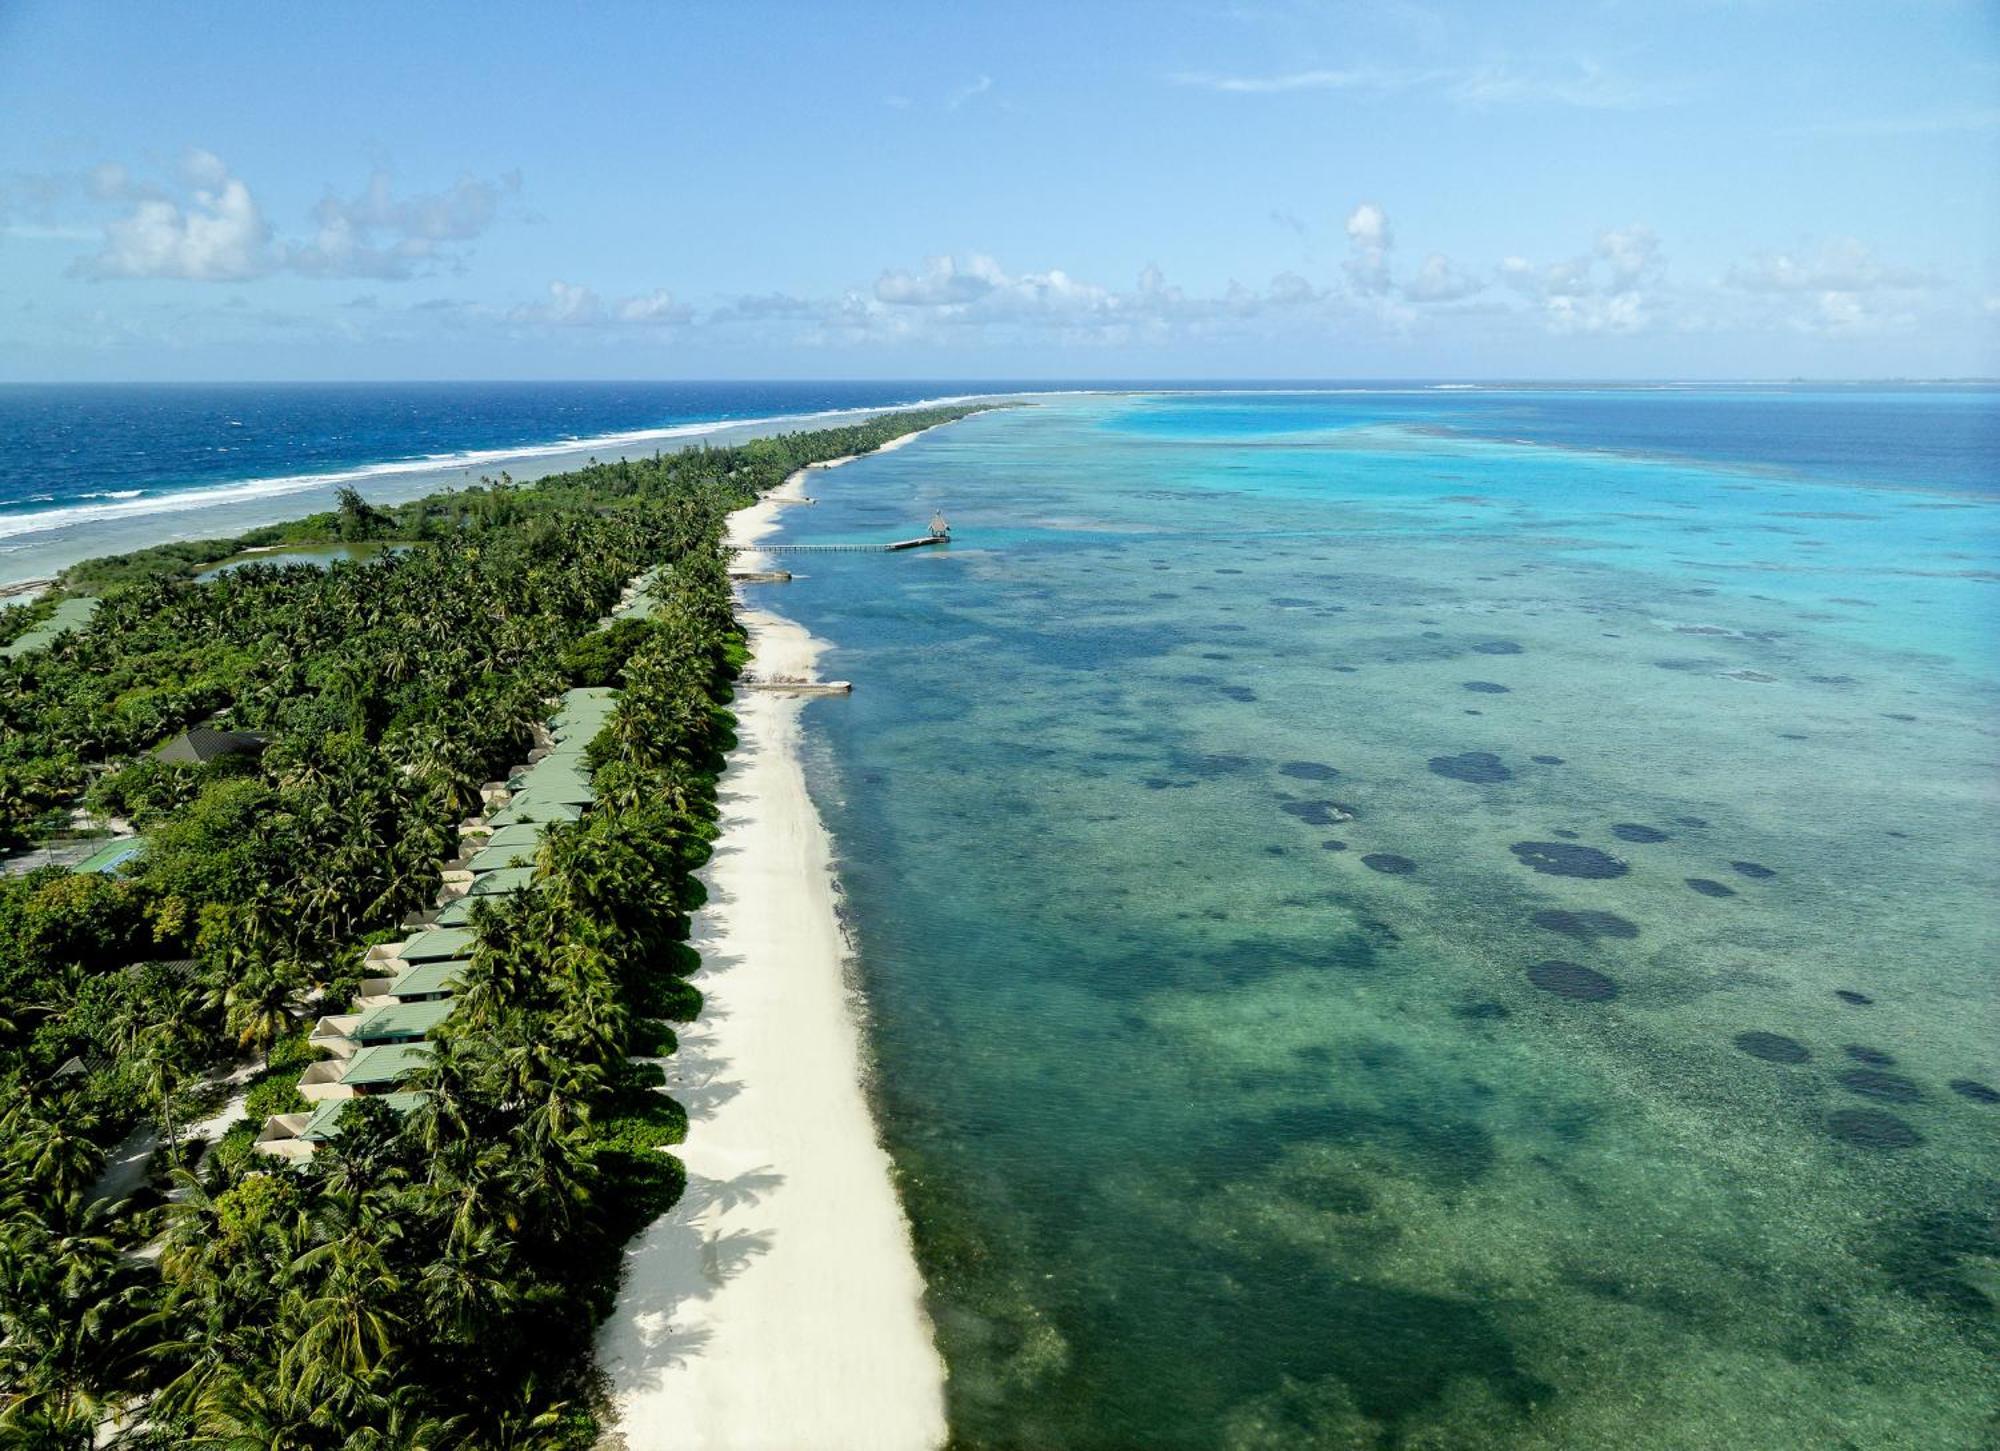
(1613, 288)
(657, 306)
(1438, 281)
(213, 230)
(574, 305)
(1369, 241)
(1840, 286)
(380, 234)
(214, 234)
(1841, 265)
(942, 281)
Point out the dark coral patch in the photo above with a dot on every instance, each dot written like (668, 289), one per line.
(1633, 831)
(1546, 760)
(1238, 692)
(1873, 1057)
(1852, 998)
(1563, 833)
(1496, 647)
(1572, 980)
(1871, 1128)
(1874, 1083)
(1481, 1012)
(1563, 859)
(1973, 1089)
(1483, 687)
(1333, 846)
(1318, 813)
(1755, 871)
(1708, 888)
(1479, 767)
(1695, 823)
(1773, 1047)
(1585, 926)
(1308, 771)
(1389, 863)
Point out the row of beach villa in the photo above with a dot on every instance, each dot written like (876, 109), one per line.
(411, 987)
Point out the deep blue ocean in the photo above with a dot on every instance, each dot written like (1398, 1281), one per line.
(81, 454)
(67, 444)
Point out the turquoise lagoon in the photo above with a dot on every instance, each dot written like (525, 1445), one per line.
(1417, 919)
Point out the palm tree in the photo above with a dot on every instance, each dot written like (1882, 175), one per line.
(54, 1151)
(160, 1071)
(259, 1010)
(347, 1325)
(68, 1298)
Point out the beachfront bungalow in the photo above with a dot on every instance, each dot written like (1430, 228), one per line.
(375, 1069)
(490, 858)
(294, 1136)
(426, 982)
(433, 946)
(200, 745)
(345, 1034)
(501, 882)
(557, 773)
(537, 810)
(524, 836)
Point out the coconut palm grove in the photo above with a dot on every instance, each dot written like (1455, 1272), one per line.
(300, 757)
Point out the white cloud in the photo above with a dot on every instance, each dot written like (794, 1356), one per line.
(1583, 84)
(1613, 288)
(1438, 281)
(967, 93)
(379, 234)
(1362, 78)
(217, 234)
(573, 305)
(1843, 264)
(942, 281)
(214, 230)
(569, 304)
(657, 306)
(1370, 241)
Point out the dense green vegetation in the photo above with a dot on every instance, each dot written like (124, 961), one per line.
(429, 1280)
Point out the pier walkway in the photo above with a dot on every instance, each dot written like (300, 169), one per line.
(918, 543)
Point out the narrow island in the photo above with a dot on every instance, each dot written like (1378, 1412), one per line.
(357, 910)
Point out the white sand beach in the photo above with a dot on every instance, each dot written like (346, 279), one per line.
(779, 1304)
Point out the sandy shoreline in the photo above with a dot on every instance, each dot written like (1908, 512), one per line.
(778, 1304)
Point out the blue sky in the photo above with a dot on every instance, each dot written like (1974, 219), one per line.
(1275, 188)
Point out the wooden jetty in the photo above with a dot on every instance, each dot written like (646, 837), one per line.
(787, 686)
(940, 533)
(918, 543)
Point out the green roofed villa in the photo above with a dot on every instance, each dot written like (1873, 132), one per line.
(530, 809)
(433, 944)
(294, 1136)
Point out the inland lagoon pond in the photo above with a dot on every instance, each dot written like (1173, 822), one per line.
(1433, 918)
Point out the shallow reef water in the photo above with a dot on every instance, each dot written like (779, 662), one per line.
(1618, 1069)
